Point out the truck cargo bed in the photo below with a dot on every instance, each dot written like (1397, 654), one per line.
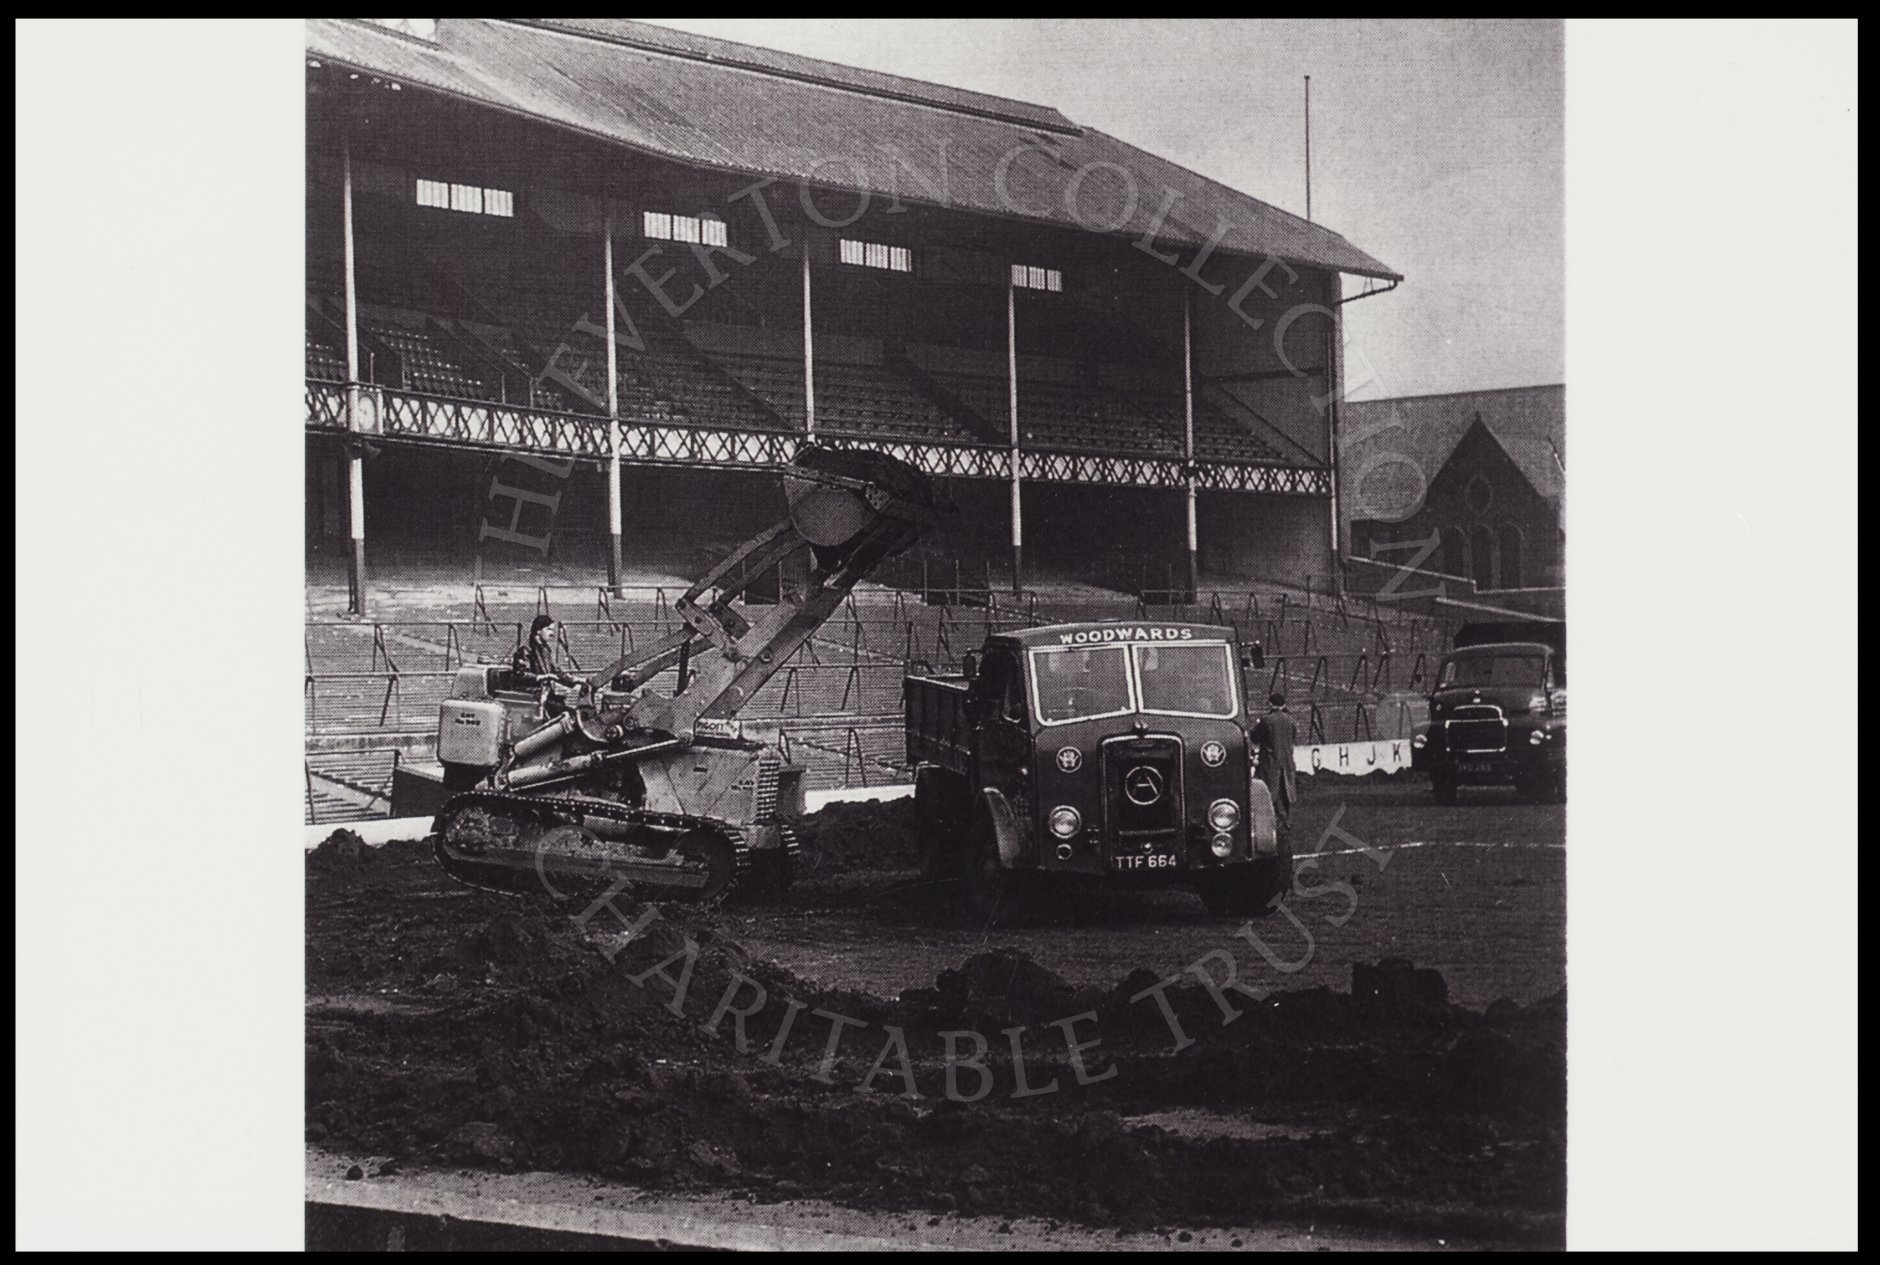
(939, 728)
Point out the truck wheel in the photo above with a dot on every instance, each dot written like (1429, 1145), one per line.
(1443, 786)
(994, 896)
(1231, 895)
(1547, 786)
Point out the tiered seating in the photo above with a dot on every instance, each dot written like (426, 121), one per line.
(1219, 437)
(324, 361)
(700, 391)
(867, 401)
(368, 702)
(537, 311)
(534, 319)
(803, 688)
(1066, 416)
(839, 708)
(669, 383)
(778, 381)
(875, 400)
(538, 392)
(982, 393)
(428, 368)
(427, 363)
(875, 755)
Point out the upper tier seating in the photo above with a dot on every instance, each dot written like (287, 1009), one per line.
(862, 400)
(324, 361)
(1219, 437)
(426, 363)
(541, 316)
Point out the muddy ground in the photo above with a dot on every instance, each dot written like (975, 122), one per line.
(1476, 890)
(894, 1059)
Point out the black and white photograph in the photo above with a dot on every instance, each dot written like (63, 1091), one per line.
(944, 634)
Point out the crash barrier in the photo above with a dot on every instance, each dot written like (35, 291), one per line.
(1336, 693)
(350, 786)
(1353, 672)
(876, 633)
(403, 701)
(837, 751)
(935, 585)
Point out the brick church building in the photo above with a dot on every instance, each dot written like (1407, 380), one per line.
(1481, 472)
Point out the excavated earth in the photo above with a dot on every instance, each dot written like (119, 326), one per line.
(451, 1026)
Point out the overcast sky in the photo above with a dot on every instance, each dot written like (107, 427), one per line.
(1436, 147)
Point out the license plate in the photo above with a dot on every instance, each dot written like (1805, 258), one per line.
(1146, 861)
(1475, 766)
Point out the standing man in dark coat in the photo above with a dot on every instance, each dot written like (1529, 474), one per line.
(1273, 737)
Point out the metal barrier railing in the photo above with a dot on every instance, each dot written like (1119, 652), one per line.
(406, 702)
(1336, 658)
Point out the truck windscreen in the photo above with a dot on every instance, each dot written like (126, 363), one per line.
(1186, 680)
(1075, 683)
(1495, 669)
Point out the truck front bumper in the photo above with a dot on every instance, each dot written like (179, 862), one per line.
(1532, 751)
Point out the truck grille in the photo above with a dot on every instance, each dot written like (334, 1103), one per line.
(1477, 729)
(1142, 784)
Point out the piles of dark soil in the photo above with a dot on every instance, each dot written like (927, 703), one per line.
(999, 988)
(342, 849)
(867, 835)
(449, 1025)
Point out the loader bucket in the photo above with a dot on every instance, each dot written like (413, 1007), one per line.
(836, 494)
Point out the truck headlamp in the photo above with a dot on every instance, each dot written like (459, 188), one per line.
(1065, 821)
(1223, 814)
(1222, 845)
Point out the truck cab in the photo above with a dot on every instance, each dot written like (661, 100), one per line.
(1498, 713)
(1113, 750)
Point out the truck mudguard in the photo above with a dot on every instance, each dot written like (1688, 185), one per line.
(1262, 821)
(1014, 839)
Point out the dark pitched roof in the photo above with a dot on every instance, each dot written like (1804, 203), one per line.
(1423, 430)
(628, 33)
(733, 107)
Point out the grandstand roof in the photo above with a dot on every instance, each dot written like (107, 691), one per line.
(734, 107)
(1528, 422)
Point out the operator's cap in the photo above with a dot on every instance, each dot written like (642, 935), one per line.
(1277, 698)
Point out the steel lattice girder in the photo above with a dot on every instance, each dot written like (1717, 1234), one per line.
(426, 419)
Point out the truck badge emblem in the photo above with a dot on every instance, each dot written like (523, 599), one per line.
(1069, 759)
(1143, 785)
(1213, 754)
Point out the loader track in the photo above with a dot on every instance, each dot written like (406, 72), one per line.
(548, 845)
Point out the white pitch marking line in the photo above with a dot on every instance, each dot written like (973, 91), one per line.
(1426, 843)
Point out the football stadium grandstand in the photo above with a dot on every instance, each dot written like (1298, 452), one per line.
(576, 287)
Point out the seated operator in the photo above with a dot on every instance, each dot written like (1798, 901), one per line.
(536, 666)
